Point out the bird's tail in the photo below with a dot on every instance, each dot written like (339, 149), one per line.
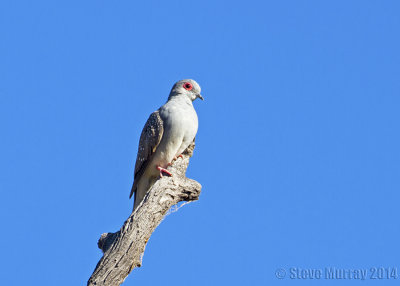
(137, 199)
(141, 190)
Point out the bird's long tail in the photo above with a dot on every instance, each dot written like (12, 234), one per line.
(141, 191)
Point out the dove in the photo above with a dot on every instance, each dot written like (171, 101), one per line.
(166, 134)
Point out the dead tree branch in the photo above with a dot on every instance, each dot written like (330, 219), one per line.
(123, 250)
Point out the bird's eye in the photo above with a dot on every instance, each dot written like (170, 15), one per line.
(187, 86)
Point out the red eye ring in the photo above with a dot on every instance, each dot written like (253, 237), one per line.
(187, 86)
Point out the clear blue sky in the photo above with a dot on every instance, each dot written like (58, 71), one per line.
(297, 149)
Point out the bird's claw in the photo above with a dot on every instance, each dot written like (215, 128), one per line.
(176, 157)
(162, 170)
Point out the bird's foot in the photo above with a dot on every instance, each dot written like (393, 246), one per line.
(176, 157)
(162, 170)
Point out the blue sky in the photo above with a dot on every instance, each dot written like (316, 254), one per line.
(297, 149)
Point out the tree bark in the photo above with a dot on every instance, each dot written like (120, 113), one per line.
(123, 250)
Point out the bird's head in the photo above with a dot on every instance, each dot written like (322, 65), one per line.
(187, 87)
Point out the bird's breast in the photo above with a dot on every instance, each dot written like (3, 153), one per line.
(180, 128)
(180, 119)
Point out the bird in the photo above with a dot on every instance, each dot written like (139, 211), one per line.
(167, 133)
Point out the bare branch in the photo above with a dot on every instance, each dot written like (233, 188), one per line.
(123, 250)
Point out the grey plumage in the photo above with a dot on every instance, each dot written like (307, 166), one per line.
(166, 134)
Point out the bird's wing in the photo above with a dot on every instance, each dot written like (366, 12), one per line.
(149, 139)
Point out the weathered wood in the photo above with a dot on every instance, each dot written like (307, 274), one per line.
(123, 250)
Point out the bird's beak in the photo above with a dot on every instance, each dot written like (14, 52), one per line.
(199, 96)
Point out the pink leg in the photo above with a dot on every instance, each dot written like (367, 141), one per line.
(179, 156)
(162, 170)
